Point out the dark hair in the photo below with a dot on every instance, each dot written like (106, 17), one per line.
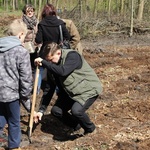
(50, 47)
(27, 6)
(48, 10)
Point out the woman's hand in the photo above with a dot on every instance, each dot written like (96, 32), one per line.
(38, 61)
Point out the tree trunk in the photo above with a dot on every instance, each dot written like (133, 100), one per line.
(6, 4)
(95, 8)
(21, 2)
(35, 2)
(80, 8)
(56, 3)
(132, 11)
(117, 8)
(122, 7)
(87, 8)
(109, 10)
(140, 10)
(39, 10)
(16, 5)
(13, 4)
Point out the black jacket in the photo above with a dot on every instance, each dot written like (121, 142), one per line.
(72, 62)
(48, 30)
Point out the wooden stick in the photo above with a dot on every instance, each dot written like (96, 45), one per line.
(33, 103)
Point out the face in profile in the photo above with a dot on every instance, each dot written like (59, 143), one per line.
(29, 12)
(55, 57)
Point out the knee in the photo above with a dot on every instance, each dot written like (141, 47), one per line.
(76, 112)
(56, 111)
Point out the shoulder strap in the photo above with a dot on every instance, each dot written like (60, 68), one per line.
(61, 35)
(33, 32)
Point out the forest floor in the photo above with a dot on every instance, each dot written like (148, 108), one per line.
(121, 113)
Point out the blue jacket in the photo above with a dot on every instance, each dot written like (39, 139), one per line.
(15, 70)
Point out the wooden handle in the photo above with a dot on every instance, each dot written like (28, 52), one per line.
(33, 100)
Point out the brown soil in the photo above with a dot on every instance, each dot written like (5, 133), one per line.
(121, 113)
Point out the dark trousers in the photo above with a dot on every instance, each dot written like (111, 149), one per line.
(10, 113)
(77, 114)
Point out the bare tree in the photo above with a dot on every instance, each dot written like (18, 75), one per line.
(80, 8)
(56, 3)
(122, 7)
(87, 7)
(39, 9)
(117, 8)
(6, 5)
(140, 10)
(16, 4)
(95, 8)
(21, 1)
(27, 1)
(132, 11)
(109, 9)
(13, 4)
(35, 3)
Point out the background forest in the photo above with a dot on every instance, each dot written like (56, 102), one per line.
(92, 17)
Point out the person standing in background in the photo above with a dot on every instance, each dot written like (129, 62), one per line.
(48, 31)
(15, 81)
(75, 42)
(48, 27)
(31, 21)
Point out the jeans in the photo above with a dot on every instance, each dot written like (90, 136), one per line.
(10, 113)
(76, 116)
(2, 122)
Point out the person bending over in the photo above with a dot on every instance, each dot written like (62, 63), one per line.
(78, 84)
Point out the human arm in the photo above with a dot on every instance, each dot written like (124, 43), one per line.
(46, 98)
(25, 79)
(73, 61)
(25, 75)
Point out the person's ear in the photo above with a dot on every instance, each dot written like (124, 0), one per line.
(59, 52)
(20, 35)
